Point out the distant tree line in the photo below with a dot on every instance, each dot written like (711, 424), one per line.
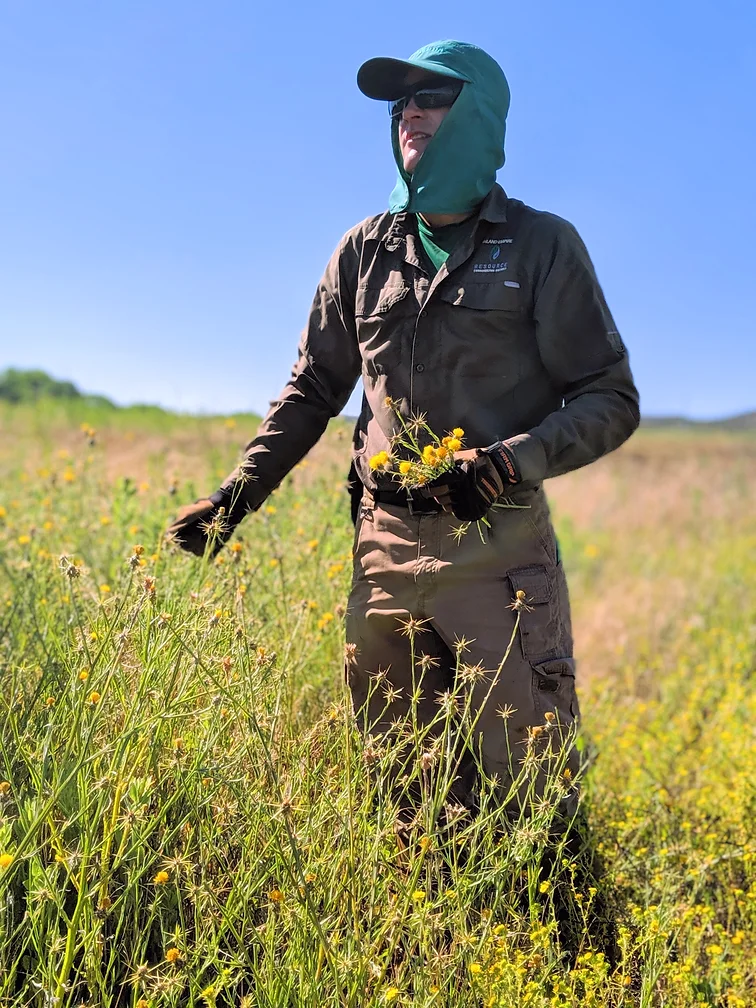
(27, 386)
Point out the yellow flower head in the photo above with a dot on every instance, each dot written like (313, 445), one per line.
(161, 878)
(380, 461)
(6, 860)
(458, 432)
(454, 444)
(94, 697)
(275, 895)
(4, 787)
(429, 455)
(404, 467)
(172, 955)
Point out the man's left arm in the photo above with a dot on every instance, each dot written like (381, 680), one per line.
(582, 352)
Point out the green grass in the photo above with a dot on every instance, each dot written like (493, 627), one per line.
(180, 770)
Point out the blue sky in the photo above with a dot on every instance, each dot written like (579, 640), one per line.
(174, 176)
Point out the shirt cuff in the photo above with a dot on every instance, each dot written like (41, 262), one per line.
(530, 455)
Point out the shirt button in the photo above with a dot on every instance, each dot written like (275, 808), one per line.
(419, 368)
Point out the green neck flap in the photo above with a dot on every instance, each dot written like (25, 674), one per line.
(458, 168)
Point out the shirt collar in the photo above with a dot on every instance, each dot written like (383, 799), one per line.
(494, 206)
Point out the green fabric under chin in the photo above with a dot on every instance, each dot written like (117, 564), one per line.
(458, 168)
(439, 242)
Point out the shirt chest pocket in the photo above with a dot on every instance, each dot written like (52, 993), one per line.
(487, 328)
(384, 317)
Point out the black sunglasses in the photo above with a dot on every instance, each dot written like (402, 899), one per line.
(427, 97)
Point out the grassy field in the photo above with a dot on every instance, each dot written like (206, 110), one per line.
(187, 816)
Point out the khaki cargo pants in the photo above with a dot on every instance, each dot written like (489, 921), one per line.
(412, 566)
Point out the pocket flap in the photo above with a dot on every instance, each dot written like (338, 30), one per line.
(377, 300)
(555, 668)
(534, 581)
(484, 296)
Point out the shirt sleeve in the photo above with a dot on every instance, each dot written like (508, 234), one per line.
(585, 358)
(322, 379)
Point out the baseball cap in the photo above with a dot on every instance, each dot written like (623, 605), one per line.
(385, 78)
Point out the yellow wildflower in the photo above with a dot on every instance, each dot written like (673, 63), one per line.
(4, 787)
(454, 444)
(276, 896)
(404, 467)
(458, 432)
(476, 967)
(94, 697)
(392, 993)
(418, 896)
(84, 675)
(161, 878)
(544, 886)
(380, 461)
(24, 540)
(172, 955)
(6, 860)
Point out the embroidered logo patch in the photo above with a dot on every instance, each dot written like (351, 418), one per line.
(490, 267)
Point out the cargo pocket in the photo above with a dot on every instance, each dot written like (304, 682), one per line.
(539, 623)
(554, 688)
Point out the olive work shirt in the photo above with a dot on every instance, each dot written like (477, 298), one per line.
(511, 340)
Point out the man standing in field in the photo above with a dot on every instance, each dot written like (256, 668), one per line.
(478, 313)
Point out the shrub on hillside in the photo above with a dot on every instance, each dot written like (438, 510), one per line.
(27, 386)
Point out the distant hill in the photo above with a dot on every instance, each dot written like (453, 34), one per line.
(740, 422)
(27, 386)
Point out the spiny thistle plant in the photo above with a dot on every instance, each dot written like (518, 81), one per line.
(427, 462)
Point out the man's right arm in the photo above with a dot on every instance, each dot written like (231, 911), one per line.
(322, 379)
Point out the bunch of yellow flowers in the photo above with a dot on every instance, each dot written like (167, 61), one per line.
(431, 460)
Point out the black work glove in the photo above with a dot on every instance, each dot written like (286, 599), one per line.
(479, 477)
(208, 523)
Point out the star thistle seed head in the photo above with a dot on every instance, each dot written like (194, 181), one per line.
(519, 602)
(411, 626)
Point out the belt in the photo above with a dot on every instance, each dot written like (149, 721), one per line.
(414, 502)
